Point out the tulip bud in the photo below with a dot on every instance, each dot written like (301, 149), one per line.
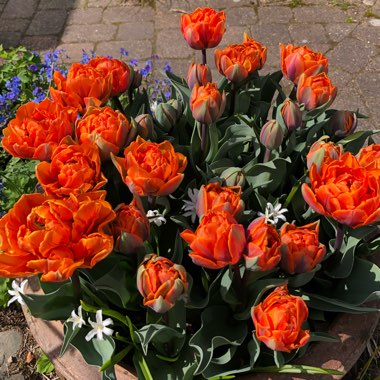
(207, 103)
(198, 74)
(167, 114)
(321, 152)
(137, 79)
(145, 126)
(272, 135)
(161, 282)
(233, 176)
(342, 123)
(130, 228)
(291, 114)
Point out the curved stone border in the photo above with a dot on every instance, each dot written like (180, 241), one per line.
(353, 331)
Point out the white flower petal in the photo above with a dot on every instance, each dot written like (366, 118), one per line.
(90, 335)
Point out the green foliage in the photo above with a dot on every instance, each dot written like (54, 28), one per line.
(43, 364)
(4, 295)
(18, 178)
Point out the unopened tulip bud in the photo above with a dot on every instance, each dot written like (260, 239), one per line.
(144, 125)
(291, 114)
(272, 135)
(167, 114)
(207, 103)
(137, 79)
(322, 152)
(161, 282)
(342, 123)
(198, 74)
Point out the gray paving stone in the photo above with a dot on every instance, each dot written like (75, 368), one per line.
(140, 50)
(374, 64)
(367, 34)
(74, 50)
(14, 25)
(188, 5)
(163, 20)
(314, 14)
(233, 35)
(57, 4)
(40, 42)
(127, 14)
(135, 31)
(241, 16)
(19, 9)
(10, 39)
(85, 16)
(274, 14)
(47, 22)
(171, 44)
(351, 56)
(10, 344)
(302, 34)
(81, 33)
(271, 34)
(98, 3)
(336, 32)
(222, 4)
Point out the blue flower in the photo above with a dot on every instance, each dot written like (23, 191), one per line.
(33, 67)
(123, 51)
(134, 62)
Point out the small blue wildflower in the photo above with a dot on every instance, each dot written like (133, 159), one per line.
(134, 62)
(123, 51)
(85, 57)
(33, 67)
(167, 67)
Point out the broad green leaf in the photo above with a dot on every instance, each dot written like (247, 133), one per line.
(290, 368)
(52, 306)
(43, 364)
(216, 332)
(166, 340)
(302, 279)
(4, 296)
(69, 335)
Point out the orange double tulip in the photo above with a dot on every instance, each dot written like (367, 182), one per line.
(278, 321)
(37, 129)
(74, 169)
(218, 241)
(151, 169)
(54, 236)
(345, 191)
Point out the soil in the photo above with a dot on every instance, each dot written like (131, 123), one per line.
(25, 361)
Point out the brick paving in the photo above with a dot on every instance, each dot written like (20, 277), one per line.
(347, 31)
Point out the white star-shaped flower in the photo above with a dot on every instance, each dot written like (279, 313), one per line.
(77, 320)
(155, 217)
(274, 213)
(190, 207)
(18, 289)
(99, 327)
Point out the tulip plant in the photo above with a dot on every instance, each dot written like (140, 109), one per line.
(208, 236)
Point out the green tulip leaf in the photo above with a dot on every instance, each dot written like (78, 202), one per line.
(302, 279)
(216, 332)
(69, 335)
(254, 350)
(166, 340)
(354, 142)
(361, 286)
(288, 368)
(57, 305)
(180, 368)
(341, 263)
(322, 337)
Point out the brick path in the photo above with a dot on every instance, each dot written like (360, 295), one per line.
(346, 30)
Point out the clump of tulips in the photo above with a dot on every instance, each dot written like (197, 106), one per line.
(214, 229)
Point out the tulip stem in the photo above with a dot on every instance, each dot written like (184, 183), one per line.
(117, 103)
(77, 288)
(204, 57)
(130, 95)
(240, 289)
(233, 99)
(267, 155)
(152, 201)
(339, 237)
(204, 136)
